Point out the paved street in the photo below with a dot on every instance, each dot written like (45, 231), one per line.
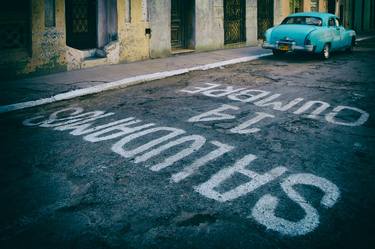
(273, 153)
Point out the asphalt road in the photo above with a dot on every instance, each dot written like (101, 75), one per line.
(275, 153)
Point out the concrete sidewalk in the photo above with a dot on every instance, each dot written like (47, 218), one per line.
(35, 88)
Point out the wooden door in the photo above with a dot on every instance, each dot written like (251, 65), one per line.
(177, 24)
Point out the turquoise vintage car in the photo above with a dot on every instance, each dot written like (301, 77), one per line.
(319, 33)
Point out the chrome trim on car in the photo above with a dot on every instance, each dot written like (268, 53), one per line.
(292, 46)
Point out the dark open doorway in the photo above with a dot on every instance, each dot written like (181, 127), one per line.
(182, 24)
(15, 26)
(107, 22)
(90, 23)
(332, 6)
(265, 16)
(234, 21)
(81, 19)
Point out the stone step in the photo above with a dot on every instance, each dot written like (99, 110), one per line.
(182, 51)
(93, 62)
(88, 53)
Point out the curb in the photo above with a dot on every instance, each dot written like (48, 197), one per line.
(123, 83)
(365, 38)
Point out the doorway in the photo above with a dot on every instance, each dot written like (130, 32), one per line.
(90, 23)
(182, 24)
(265, 16)
(15, 26)
(332, 6)
(234, 21)
(81, 23)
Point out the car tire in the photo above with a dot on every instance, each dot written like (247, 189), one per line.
(277, 52)
(352, 45)
(326, 52)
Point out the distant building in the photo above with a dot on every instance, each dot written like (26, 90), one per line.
(43, 36)
(357, 14)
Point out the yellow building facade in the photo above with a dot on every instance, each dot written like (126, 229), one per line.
(58, 35)
(44, 36)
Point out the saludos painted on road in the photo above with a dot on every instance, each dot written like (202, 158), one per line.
(81, 123)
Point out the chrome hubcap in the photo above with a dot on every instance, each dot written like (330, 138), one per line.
(326, 52)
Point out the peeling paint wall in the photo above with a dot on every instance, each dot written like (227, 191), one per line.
(209, 24)
(160, 24)
(48, 44)
(251, 22)
(134, 43)
(323, 6)
(47, 49)
(281, 10)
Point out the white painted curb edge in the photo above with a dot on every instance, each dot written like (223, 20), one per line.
(365, 38)
(124, 83)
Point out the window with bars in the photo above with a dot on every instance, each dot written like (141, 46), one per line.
(128, 11)
(49, 13)
(15, 25)
(234, 21)
(296, 6)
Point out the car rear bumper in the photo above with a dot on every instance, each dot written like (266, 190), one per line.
(291, 47)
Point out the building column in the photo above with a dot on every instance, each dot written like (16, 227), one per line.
(281, 10)
(160, 24)
(251, 22)
(47, 43)
(209, 24)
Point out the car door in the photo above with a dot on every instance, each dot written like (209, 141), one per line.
(343, 42)
(335, 33)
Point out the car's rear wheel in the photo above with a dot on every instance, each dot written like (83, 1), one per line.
(352, 45)
(326, 52)
(277, 52)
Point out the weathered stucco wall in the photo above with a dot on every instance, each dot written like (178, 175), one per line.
(209, 24)
(160, 24)
(281, 10)
(134, 43)
(323, 6)
(251, 22)
(48, 43)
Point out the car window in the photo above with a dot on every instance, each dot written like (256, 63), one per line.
(331, 22)
(338, 23)
(303, 20)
